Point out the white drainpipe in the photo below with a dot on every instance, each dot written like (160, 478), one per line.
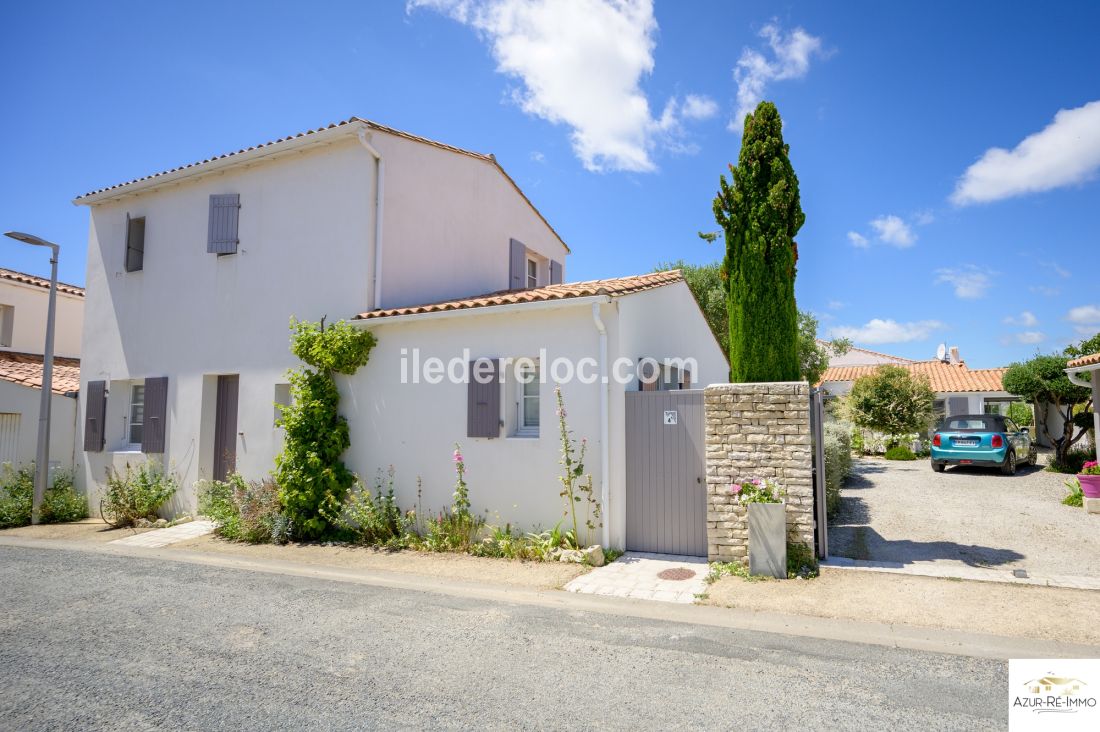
(379, 182)
(605, 448)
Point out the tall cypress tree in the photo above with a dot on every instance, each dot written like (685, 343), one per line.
(760, 214)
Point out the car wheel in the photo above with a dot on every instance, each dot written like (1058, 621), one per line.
(1009, 465)
(938, 467)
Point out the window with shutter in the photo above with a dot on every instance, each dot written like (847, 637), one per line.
(221, 235)
(483, 399)
(555, 273)
(95, 411)
(7, 324)
(135, 243)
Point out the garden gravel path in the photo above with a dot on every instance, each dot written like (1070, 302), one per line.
(903, 512)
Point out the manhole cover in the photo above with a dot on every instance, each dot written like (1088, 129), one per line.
(677, 573)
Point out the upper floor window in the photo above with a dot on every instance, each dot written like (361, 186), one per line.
(532, 274)
(135, 243)
(7, 324)
(222, 226)
(137, 413)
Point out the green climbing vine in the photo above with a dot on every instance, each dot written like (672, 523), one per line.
(313, 480)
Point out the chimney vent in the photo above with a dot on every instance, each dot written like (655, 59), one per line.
(955, 355)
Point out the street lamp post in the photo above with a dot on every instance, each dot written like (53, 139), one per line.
(42, 456)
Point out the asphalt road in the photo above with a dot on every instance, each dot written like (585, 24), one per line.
(92, 641)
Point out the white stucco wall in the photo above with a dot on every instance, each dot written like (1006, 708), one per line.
(306, 249)
(25, 401)
(859, 357)
(29, 325)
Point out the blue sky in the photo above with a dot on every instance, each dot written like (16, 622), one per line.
(614, 118)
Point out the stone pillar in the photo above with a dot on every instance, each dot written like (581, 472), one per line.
(757, 431)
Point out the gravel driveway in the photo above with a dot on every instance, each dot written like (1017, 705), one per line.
(904, 512)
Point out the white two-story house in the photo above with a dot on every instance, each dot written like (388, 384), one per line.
(194, 275)
(24, 300)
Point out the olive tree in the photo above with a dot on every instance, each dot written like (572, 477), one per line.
(891, 400)
(1042, 380)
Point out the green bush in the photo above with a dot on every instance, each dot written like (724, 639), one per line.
(900, 452)
(801, 561)
(136, 493)
(243, 510)
(1021, 414)
(374, 517)
(1076, 496)
(1073, 461)
(60, 504)
(838, 462)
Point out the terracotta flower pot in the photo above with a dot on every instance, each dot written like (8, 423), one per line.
(1090, 485)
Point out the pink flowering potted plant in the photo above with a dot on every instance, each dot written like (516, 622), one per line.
(1090, 479)
(767, 515)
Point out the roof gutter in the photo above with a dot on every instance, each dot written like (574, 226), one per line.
(379, 182)
(526, 307)
(1074, 374)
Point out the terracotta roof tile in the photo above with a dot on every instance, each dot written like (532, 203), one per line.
(1089, 360)
(29, 279)
(488, 158)
(612, 287)
(943, 377)
(26, 369)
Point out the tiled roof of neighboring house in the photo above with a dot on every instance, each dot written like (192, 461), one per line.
(613, 287)
(867, 350)
(1089, 360)
(29, 279)
(943, 377)
(193, 167)
(26, 369)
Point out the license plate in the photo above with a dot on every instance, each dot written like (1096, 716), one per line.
(966, 442)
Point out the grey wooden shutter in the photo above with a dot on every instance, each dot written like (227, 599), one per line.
(156, 409)
(957, 405)
(555, 272)
(95, 411)
(517, 265)
(483, 402)
(221, 237)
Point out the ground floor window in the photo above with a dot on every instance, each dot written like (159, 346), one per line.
(527, 424)
(137, 413)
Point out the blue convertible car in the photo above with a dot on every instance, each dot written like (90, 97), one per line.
(988, 440)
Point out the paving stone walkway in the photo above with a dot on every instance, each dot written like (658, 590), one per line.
(163, 537)
(661, 577)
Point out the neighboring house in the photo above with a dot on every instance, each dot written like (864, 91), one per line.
(194, 274)
(23, 305)
(959, 389)
(861, 357)
(1089, 365)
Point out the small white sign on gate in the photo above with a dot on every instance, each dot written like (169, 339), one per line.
(671, 416)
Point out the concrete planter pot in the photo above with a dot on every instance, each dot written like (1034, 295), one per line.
(1090, 485)
(768, 539)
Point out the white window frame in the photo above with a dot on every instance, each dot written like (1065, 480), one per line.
(130, 423)
(523, 429)
(532, 279)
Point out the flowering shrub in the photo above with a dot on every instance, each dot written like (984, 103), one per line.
(243, 510)
(60, 503)
(1090, 468)
(374, 517)
(757, 490)
(454, 529)
(136, 493)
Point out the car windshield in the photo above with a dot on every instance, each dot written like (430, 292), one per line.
(973, 423)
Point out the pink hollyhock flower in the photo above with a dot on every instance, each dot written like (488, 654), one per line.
(458, 457)
(735, 489)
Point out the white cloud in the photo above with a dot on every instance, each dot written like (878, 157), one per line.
(886, 331)
(924, 218)
(791, 52)
(537, 156)
(1056, 269)
(1044, 290)
(892, 230)
(1065, 152)
(1084, 315)
(1031, 336)
(970, 282)
(858, 240)
(580, 63)
(835, 305)
(1026, 319)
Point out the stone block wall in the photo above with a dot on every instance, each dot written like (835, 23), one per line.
(757, 431)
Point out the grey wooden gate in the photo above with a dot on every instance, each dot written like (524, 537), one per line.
(666, 508)
(817, 431)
